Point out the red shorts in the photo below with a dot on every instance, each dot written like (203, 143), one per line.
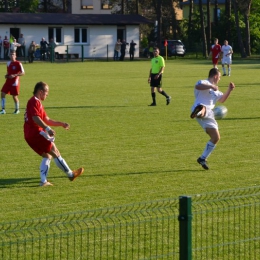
(215, 61)
(12, 90)
(39, 144)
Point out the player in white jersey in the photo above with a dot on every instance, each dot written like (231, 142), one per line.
(227, 52)
(206, 95)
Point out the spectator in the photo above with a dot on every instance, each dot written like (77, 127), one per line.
(123, 48)
(21, 48)
(132, 50)
(6, 48)
(1, 43)
(117, 49)
(43, 48)
(31, 51)
(14, 45)
(52, 46)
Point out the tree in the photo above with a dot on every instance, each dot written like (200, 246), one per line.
(202, 27)
(190, 24)
(208, 24)
(244, 7)
(239, 36)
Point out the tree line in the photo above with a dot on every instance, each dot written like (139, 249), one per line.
(238, 21)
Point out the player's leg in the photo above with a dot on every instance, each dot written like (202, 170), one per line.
(61, 163)
(161, 91)
(229, 67)
(44, 170)
(223, 67)
(3, 103)
(16, 104)
(153, 94)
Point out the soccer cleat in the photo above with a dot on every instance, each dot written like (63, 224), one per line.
(203, 163)
(168, 100)
(229, 75)
(45, 184)
(76, 173)
(152, 105)
(224, 74)
(16, 111)
(196, 111)
(2, 112)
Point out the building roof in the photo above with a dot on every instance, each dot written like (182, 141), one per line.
(72, 19)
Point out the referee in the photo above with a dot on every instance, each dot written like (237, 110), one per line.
(155, 77)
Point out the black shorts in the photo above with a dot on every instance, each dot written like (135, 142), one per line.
(156, 82)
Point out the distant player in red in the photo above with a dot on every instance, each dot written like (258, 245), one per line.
(12, 84)
(215, 52)
(40, 137)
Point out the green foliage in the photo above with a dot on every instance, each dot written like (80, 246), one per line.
(131, 152)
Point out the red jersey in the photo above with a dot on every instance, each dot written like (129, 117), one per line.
(34, 108)
(215, 51)
(14, 67)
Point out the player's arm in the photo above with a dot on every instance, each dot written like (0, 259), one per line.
(149, 76)
(227, 93)
(51, 122)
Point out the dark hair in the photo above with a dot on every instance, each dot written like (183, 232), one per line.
(213, 72)
(39, 86)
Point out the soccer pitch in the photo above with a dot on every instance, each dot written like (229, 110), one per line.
(131, 152)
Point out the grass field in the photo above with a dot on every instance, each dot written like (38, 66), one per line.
(130, 152)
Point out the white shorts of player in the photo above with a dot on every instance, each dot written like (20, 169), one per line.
(226, 60)
(208, 121)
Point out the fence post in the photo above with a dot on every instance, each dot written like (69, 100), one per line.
(185, 236)
(82, 53)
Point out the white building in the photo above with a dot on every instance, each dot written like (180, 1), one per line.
(89, 30)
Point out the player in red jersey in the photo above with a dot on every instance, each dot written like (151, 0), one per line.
(215, 52)
(40, 137)
(12, 84)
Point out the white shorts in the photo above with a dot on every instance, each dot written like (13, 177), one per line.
(226, 60)
(208, 121)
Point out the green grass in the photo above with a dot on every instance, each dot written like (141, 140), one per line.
(130, 152)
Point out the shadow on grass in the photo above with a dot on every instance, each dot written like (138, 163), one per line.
(76, 107)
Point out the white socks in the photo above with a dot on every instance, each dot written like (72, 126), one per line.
(44, 169)
(61, 163)
(3, 103)
(208, 150)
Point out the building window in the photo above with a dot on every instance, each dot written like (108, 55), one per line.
(80, 35)
(86, 4)
(55, 34)
(106, 4)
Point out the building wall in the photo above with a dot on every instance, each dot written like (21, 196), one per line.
(101, 39)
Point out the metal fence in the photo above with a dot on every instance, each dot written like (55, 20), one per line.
(222, 225)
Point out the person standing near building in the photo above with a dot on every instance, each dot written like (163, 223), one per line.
(14, 45)
(21, 48)
(31, 51)
(215, 52)
(6, 48)
(206, 94)
(227, 52)
(155, 77)
(117, 49)
(12, 84)
(123, 48)
(132, 50)
(43, 49)
(40, 136)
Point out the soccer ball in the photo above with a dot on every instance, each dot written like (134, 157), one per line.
(220, 112)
